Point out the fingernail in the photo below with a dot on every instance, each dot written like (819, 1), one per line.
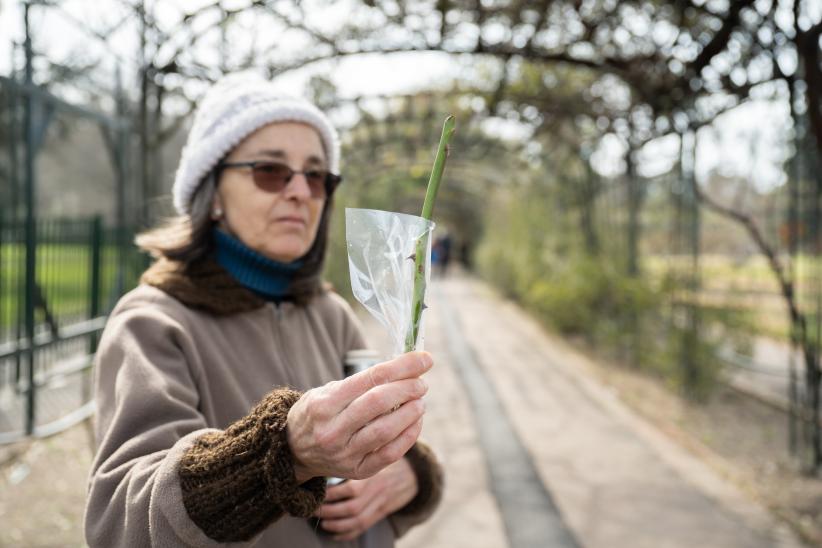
(427, 360)
(422, 386)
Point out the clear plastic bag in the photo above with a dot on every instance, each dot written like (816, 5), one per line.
(381, 250)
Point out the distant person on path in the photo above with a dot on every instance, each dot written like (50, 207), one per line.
(441, 254)
(435, 256)
(220, 409)
(445, 251)
(465, 255)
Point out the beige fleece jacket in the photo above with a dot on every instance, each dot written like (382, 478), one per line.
(167, 373)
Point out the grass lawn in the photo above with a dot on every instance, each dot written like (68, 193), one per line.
(64, 276)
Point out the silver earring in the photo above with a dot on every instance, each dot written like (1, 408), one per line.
(217, 214)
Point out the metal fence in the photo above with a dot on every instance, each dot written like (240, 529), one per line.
(58, 277)
(82, 268)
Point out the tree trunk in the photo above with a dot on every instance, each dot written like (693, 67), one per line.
(589, 193)
(691, 366)
(634, 195)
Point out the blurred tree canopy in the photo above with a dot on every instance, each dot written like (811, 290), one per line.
(661, 65)
(640, 68)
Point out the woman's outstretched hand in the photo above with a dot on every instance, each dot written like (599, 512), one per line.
(356, 427)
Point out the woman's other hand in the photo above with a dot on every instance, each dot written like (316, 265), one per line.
(356, 427)
(352, 507)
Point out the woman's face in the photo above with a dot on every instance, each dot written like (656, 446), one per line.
(280, 225)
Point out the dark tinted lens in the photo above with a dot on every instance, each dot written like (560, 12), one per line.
(272, 177)
(316, 182)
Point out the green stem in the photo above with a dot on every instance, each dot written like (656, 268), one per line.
(418, 303)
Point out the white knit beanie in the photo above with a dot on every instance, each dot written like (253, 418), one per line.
(235, 107)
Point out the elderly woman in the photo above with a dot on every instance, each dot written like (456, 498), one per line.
(220, 406)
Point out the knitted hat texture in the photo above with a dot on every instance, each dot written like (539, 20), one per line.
(235, 107)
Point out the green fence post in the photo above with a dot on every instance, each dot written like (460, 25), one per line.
(5, 297)
(121, 158)
(19, 306)
(31, 231)
(95, 278)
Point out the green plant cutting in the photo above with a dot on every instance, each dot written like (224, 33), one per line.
(418, 302)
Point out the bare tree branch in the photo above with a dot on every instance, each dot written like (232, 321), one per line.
(786, 286)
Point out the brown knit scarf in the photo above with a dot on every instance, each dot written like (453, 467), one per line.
(204, 285)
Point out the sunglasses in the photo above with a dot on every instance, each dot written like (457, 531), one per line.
(274, 177)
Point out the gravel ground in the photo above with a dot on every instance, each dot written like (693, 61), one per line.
(42, 490)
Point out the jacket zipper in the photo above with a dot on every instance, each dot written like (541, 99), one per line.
(278, 318)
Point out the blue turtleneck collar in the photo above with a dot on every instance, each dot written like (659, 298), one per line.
(269, 279)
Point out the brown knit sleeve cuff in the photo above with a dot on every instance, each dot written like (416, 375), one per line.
(430, 483)
(237, 482)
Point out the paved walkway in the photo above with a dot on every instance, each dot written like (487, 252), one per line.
(614, 480)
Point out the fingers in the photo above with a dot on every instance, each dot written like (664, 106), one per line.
(342, 491)
(340, 510)
(347, 507)
(386, 428)
(391, 451)
(407, 366)
(349, 528)
(379, 401)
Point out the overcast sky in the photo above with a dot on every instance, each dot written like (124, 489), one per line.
(748, 141)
